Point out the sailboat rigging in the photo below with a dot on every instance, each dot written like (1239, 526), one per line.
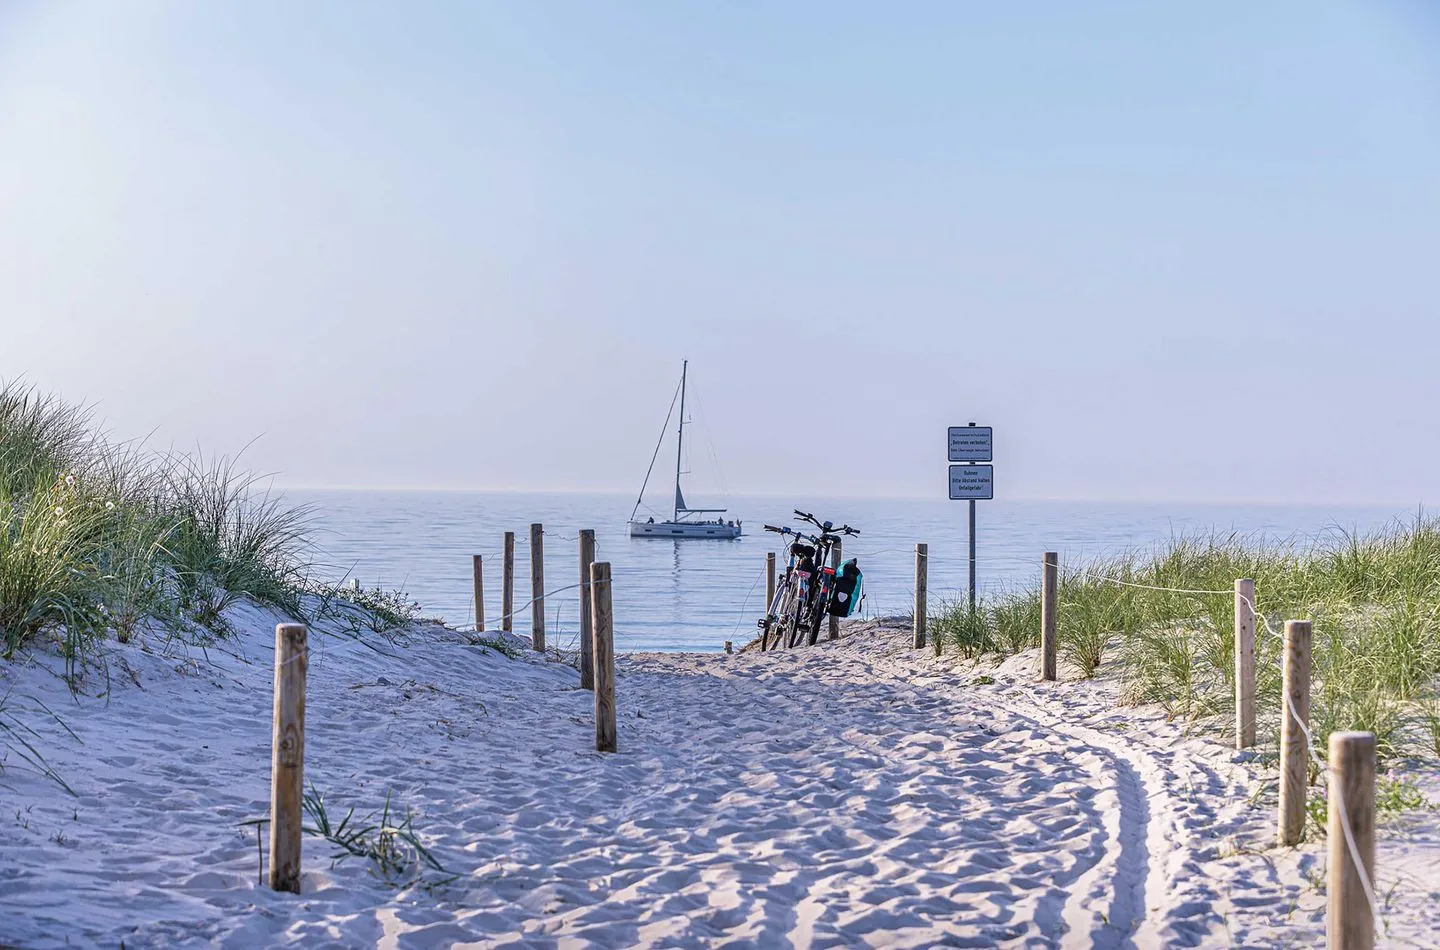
(682, 523)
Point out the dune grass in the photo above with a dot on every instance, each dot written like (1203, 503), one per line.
(1374, 601)
(97, 538)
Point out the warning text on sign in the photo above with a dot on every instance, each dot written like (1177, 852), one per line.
(971, 444)
(972, 481)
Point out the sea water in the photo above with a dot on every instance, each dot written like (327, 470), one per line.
(696, 594)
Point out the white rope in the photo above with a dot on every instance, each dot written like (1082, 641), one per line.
(1332, 787)
(746, 604)
(302, 655)
(1086, 572)
(515, 611)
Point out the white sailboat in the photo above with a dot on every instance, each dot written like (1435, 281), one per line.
(685, 522)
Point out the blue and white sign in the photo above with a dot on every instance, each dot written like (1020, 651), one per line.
(973, 482)
(972, 444)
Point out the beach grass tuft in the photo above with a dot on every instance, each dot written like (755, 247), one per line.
(393, 847)
(498, 643)
(96, 537)
(1165, 616)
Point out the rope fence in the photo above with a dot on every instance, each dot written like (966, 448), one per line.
(1352, 852)
(1333, 782)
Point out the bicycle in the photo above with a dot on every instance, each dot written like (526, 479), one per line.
(806, 595)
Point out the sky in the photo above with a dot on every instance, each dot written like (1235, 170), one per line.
(1169, 252)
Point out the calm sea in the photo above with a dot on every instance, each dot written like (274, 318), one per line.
(694, 595)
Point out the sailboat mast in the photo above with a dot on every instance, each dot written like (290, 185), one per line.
(680, 441)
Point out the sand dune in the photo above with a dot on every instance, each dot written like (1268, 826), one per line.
(854, 794)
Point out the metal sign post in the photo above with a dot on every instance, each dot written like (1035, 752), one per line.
(970, 480)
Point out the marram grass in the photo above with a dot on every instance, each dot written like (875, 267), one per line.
(97, 538)
(1374, 601)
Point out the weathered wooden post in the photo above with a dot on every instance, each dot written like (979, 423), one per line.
(587, 643)
(1295, 720)
(287, 756)
(478, 569)
(1349, 920)
(1244, 663)
(729, 647)
(921, 556)
(604, 636)
(769, 597)
(537, 587)
(835, 566)
(1049, 595)
(769, 579)
(507, 581)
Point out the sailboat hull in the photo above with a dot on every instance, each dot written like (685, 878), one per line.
(684, 529)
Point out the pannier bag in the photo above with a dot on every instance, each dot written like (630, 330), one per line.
(846, 598)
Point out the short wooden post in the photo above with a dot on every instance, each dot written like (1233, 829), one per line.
(587, 644)
(478, 569)
(1244, 663)
(1049, 595)
(604, 637)
(835, 566)
(769, 596)
(287, 756)
(1349, 921)
(507, 582)
(729, 647)
(921, 567)
(537, 587)
(1294, 759)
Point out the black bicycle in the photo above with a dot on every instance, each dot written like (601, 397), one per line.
(811, 589)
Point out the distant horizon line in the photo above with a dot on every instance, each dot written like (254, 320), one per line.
(1420, 506)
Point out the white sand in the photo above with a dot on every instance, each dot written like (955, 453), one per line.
(854, 794)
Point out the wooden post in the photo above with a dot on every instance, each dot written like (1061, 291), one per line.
(604, 637)
(729, 647)
(921, 556)
(1244, 663)
(507, 589)
(479, 571)
(769, 595)
(835, 566)
(537, 587)
(1349, 922)
(1294, 759)
(1049, 595)
(287, 756)
(587, 643)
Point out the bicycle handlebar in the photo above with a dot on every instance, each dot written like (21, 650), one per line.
(824, 527)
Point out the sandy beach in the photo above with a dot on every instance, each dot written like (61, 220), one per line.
(859, 793)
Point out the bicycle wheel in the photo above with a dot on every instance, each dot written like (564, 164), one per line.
(781, 611)
(767, 621)
(795, 616)
(817, 610)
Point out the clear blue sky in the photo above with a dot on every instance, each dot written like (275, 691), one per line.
(1170, 254)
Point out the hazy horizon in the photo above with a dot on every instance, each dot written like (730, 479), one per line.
(1171, 255)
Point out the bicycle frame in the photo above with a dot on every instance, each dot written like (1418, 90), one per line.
(791, 595)
(803, 598)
